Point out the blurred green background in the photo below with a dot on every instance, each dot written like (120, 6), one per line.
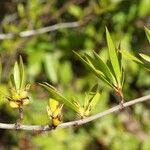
(48, 57)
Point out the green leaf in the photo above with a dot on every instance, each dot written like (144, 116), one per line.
(79, 108)
(58, 96)
(147, 31)
(90, 66)
(22, 74)
(102, 66)
(145, 57)
(94, 89)
(49, 64)
(93, 101)
(12, 81)
(135, 59)
(16, 75)
(21, 10)
(120, 57)
(92, 62)
(130, 56)
(113, 57)
(123, 77)
(75, 10)
(65, 73)
(120, 64)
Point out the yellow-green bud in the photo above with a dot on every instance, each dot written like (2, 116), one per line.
(23, 94)
(26, 101)
(13, 104)
(56, 122)
(15, 96)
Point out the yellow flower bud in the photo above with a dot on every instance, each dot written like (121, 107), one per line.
(15, 96)
(56, 122)
(26, 101)
(54, 111)
(23, 94)
(13, 104)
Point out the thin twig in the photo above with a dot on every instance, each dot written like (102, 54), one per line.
(77, 122)
(20, 114)
(41, 30)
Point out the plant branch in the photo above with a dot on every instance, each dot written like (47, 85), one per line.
(40, 30)
(77, 122)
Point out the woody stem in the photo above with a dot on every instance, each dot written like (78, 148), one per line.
(121, 97)
(20, 114)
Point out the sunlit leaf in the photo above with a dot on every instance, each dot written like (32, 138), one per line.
(58, 96)
(12, 81)
(95, 96)
(16, 75)
(113, 56)
(123, 77)
(94, 89)
(65, 73)
(79, 108)
(135, 59)
(130, 56)
(93, 101)
(98, 73)
(145, 57)
(50, 68)
(104, 68)
(147, 33)
(22, 74)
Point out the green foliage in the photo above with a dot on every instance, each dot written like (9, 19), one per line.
(17, 79)
(147, 31)
(19, 91)
(58, 96)
(54, 110)
(48, 57)
(144, 63)
(114, 58)
(111, 74)
(89, 103)
(145, 57)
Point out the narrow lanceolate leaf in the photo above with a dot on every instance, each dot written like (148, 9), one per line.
(120, 57)
(50, 68)
(22, 74)
(147, 31)
(94, 89)
(16, 75)
(102, 66)
(135, 59)
(145, 57)
(94, 97)
(113, 57)
(12, 81)
(90, 66)
(130, 56)
(93, 101)
(58, 96)
(123, 77)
